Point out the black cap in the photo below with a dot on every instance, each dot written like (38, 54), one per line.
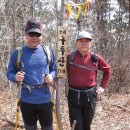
(34, 25)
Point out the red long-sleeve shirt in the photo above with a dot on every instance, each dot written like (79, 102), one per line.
(80, 77)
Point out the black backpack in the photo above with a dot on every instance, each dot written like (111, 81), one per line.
(94, 58)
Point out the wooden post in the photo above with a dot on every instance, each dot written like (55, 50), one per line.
(78, 20)
(61, 67)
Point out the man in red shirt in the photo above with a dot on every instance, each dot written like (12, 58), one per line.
(83, 89)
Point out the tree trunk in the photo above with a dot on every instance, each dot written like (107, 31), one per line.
(61, 13)
(32, 8)
(129, 13)
(60, 79)
(13, 27)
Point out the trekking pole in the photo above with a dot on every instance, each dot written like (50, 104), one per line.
(74, 124)
(19, 85)
(54, 111)
(18, 105)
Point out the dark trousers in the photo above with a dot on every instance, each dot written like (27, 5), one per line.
(33, 112)
(82, 108)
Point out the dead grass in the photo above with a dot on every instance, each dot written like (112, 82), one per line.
(108, 116)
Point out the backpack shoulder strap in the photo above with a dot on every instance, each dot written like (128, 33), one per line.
(71, 57)
(19, 55)
(94, 57)
(48, 53)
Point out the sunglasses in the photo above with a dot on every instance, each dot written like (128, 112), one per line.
(34, 34)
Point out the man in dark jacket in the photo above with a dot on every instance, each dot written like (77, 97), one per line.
(83, 89)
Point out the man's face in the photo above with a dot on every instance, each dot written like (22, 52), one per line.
(83, 44)
(33, 39)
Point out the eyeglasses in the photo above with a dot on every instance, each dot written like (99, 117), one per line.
(34, 34)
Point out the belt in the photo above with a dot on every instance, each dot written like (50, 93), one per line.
(29, 87)
(33, 86)
(84, 91)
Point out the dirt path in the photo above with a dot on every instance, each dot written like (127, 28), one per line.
(112, 113)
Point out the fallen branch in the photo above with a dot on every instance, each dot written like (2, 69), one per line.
(124, 108)
(11, 123)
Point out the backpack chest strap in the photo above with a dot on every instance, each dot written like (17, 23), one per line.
(81, 66)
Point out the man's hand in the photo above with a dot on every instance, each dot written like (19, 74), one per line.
(20, 76)
(54, 85)
(48, 79)
(100, 90)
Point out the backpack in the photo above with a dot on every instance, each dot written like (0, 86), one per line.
(94, 59)
(20, 52)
